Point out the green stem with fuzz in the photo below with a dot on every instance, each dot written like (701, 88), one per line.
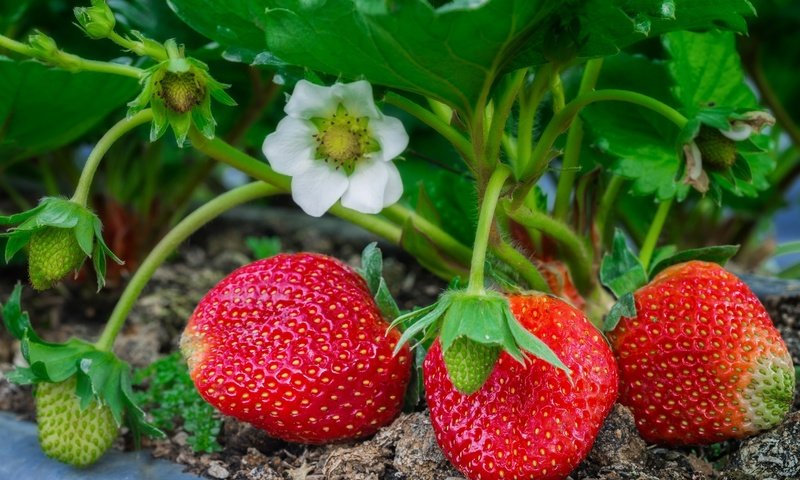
(577, 254)
(528, 105)
(122, 127)
(155, 51)
(502, 111)
(572, 150)
(606, 205)
(485, 222)
(71, 62)
(562, 120)
(520, 263)
(434, 121)
(168, 244)
(651, 239)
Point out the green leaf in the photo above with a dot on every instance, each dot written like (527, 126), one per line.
(16, 321)
(642, 145)
(56, 362)
(621, 271)
(410, 45)
(263, 247)
(238, 25)
(532, 344)
(701, 83)
(625, 307)
(372, 272)
(372, 266)
(37, 118)
(717, 254)
(787, 248)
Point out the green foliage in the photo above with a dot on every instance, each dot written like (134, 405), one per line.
(263, 247)
(171, 397)
(100, 375)
(642, 145)
(36, 117)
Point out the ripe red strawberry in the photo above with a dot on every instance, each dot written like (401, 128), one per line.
(702, 361)
(528, 421)
(295, 345)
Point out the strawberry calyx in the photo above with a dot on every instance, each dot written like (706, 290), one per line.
(478, 327)
(101, 378)
(622, 272)
(52, 253)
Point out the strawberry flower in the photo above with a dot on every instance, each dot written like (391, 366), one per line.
(336, 144)
(715, 148)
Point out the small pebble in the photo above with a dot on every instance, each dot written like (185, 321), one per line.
(217, 470)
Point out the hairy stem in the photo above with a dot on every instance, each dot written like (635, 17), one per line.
(434, 121)
(572, 150)
(562, 120)
(168, 244)
(520, 263)
(485, 222)
(122, 127)
(577, 254)
(651, 239)
(71, 62)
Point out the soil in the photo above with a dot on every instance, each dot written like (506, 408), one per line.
(404, 450)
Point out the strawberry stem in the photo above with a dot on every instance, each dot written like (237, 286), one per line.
(432, 120)
(168, 244)
(606, 205)
(485, 222)
(122, 127)
(62, 58)
(651, 239)
(562, 120)
(572, 150)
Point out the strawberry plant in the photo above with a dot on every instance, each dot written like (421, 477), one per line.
(577, 171)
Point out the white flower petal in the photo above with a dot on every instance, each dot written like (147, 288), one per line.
(739, 131)
(367, 186)
(394, 185)
(318, 188)
(391, 136)
(356, 98)
(290, 148)
(309, 100)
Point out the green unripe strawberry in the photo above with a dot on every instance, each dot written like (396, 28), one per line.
(67, 433)
(52, 253)
(181, 91)
(718, 151)
(469, 363)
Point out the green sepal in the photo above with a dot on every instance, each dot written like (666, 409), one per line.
(483, 318)
(372, 272)
(100, 375)
(621, 271)
(625, 307)
(717, 254)
(61, 213)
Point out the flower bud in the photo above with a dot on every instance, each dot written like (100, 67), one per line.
(97, 21)
(44, 46)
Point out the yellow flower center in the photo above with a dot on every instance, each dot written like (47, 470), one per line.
(340, 143)
(343, 140)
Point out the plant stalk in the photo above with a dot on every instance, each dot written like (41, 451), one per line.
(168, 244)
(485, 222)
(81, 195)
(651, 239)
